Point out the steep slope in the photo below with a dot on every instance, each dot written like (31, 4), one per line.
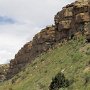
(59, 48)
(72, 20)
(71, 58)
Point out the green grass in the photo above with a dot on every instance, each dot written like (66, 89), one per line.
(71, 58)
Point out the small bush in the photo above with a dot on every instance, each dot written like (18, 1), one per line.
(88, 63)
(87, 80)
(88, 51)
(41, 85)
(10, 89)
(42, 60)
(33, 64)
(59, 82)
(13, 81)
(45, 71)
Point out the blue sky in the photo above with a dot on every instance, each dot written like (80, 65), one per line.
(20, 20)
(6, 20)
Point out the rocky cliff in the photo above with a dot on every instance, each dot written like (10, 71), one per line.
(72, 19)
(3, 71)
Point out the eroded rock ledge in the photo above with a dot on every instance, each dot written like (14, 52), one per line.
(72, 19)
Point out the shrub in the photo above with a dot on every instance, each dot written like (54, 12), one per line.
(10, 89)
(41, 86)
(88, 51)
(59, 82)
(33, 64)
(87, 80)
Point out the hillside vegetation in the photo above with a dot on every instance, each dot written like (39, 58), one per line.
(70, 58)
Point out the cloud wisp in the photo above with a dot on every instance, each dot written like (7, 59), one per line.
(6, 20)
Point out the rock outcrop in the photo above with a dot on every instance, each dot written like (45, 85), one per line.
(3, 71)
(73, 18)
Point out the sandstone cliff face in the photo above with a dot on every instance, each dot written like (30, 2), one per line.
(73, 18)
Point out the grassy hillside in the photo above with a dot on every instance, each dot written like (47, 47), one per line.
(71, 58)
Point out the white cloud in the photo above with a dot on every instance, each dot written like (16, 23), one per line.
(12, 38)
(30, 17)
(38, 12)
